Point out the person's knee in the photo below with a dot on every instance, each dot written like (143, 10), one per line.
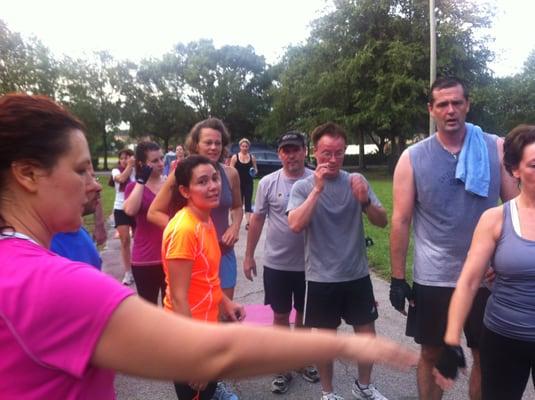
(430, 354)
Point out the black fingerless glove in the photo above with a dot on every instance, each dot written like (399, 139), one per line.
(143, 174)
(399, 291)
(451, 359)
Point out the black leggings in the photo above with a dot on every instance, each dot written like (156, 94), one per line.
(505, 366)
(185, 392)
(246, 189)
(150, 280)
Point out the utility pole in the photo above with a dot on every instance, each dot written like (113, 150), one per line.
(432, 55)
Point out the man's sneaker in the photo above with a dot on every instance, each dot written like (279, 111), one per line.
(331, 396)
(128, 278)
(281, 383)
(310, 374)
(222, 392)
(366, 392)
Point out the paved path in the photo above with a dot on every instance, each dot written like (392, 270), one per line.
(393, 384)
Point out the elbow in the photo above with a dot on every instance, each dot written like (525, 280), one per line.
(294, 226)
(128, 210)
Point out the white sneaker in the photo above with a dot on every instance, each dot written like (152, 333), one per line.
(128, 278)
(331, 396)
(366, 393)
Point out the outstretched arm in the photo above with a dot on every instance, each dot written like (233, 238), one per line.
(177, 348)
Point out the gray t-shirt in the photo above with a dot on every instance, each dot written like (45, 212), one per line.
(284, 249)
(335, 249)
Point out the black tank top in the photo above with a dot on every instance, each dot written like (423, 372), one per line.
(243, 170)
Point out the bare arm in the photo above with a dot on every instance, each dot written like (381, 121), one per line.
(253, 159)
(376, 215)
(132, 204)
(233, 161)
(179, 280)
(360, 188)
(142, 340)
(158, 213)
(403, 199)
(231, 235)
(477, 261)
(99, 232)
(508, 185)
(125, 175)
(256, 223)
(299, 218)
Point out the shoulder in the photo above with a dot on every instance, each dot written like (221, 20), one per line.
(115, 171)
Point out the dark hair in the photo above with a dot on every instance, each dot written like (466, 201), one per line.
(446, 83)
(514, 144)
(128, 152)
(142, 149)
(194, 136)
(330, 129)
(184, 172)
(33, 128)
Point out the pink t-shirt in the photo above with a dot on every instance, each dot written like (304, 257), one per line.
(52, 313)
(147, 248)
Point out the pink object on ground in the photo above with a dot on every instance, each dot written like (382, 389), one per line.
(259, 314)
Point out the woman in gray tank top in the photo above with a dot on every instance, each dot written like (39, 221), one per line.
(505, 239)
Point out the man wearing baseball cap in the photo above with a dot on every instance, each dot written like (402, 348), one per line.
(284, 263)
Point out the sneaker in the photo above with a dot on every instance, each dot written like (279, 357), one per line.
(222, 392)
(310, 374)
(331, 396)
(281, 383)
(364, 393)
(128, 278)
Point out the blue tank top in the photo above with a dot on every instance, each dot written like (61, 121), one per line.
(510, 309)
(445, 214)
(220, 214)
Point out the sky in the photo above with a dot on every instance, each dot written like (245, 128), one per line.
(137, 29)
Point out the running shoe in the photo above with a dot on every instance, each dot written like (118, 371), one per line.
(331, 396)
(222, 392)
(281, 383)
(128, 278)
(310, 374)
(369, 392)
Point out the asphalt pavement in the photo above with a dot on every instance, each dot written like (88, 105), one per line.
(395, 385)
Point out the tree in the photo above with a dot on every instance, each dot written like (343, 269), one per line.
(230, 83)
(25, 66)
(365, 65)
(88, 88)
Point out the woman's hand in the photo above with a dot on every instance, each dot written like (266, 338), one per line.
(233, 311)
(231, 236)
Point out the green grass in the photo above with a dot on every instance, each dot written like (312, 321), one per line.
(378, 254)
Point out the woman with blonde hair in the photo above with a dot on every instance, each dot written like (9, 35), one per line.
(245, 164)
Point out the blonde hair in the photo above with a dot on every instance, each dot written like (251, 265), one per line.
(244, 140)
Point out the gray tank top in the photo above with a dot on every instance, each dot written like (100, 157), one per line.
(445, 214)
(510, 309)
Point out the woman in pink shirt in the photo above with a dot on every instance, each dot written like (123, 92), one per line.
(66, 327)
(146, 252)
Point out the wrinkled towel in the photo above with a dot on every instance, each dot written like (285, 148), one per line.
(473, 167)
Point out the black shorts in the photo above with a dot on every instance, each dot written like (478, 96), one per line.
(280, 287)
(121, 218)
(427, 320)
(327, 303)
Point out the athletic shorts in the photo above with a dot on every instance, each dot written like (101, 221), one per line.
(228, 270)
(327, 303)
(121, 218)
(427, 320)
(280, 287)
